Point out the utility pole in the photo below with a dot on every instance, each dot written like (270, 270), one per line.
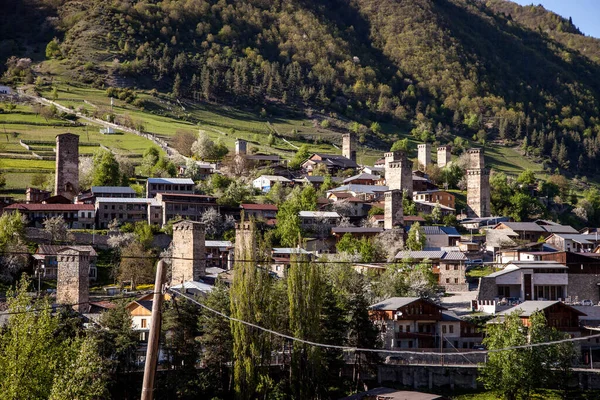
(154, 336)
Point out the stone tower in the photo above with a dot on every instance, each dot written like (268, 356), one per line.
(189, 256)
(73, 281)
(398, 172)
(424, 156)
(478, 185)
(245, 246)
(394, 213)
(67, 166)
(240, 147)
(444, 156)
(348, 146)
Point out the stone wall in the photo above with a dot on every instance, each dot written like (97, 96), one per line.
(189, 257)
(67, 166)
(72, 286)
(584, 286)
(488, 290)
(453, 280)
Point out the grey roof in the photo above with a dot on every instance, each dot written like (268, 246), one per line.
(531, 306)
(218, 243)
(364, 175)
(132, 200)
(420, 255)
(48, 249)
(393, 303)
(559, 229)
(450, 316)
(370, 189)
(172, 181)
(356, 229)
(439, 230)
(275, 178)
(524, 226)
(193, 285)
(319, 214)
(290, 250)
(431, 204)
(432, 255)
(112, 189)
(515, 265)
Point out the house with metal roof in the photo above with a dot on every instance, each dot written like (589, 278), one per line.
(266, 182)
(413, 322)
(573, 242)
(333, 163)
(448, 266)
(526, 280)
(558, 315)
(169, 185)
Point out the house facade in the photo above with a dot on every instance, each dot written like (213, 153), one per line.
(169, 185)
(127, 210)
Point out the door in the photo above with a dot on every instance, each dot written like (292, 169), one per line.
(527, 287)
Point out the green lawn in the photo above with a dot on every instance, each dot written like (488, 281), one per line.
(479, 272)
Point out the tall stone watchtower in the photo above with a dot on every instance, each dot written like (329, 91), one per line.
(478, 186)
(393, 212)
(245, 245)
(424, 155)
(67, 166)
(348, 146)
(398, 172)
(73, 280)
(240, 147)
(189, 256)
(444, 156)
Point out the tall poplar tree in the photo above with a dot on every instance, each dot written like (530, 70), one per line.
(250, 298)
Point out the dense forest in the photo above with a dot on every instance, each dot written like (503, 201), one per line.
(487, 70)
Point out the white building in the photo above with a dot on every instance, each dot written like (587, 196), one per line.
(266, 182)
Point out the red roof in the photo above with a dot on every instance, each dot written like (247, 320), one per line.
(413, 218)
(51, 207)
(263, 207)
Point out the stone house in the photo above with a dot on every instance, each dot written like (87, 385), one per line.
(127, 210)
(258, 211)
(186, 206)
(46, 259)
(448, 266)
(526, 280)
(77, 216)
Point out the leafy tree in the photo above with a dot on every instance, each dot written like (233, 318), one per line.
(516, 373)
(53, 49)
(82, 375)
(288, 220)
(40, 359)
(249, 298)
(215, 224)
(136, 265)
(235, 194)
(301, 155)
(436, 213)
(416, 238)
(13, 249)
(58, 230)
(183, 141)
(400, 145)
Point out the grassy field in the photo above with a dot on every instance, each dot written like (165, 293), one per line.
(164, 117)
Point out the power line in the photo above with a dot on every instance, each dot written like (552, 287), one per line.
(410, 261)
(58, 306)
(357, 349)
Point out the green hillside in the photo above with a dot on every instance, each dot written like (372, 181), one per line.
(435, 69)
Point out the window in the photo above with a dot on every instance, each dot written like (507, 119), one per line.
(407, 328)
(443, 328)
(410, 344)
(451, 327)
(400, 328)
(455, 280)
(456, 267)
(447, 280)
(143, 323)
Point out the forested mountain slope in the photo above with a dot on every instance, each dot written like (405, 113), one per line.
(449, 67)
